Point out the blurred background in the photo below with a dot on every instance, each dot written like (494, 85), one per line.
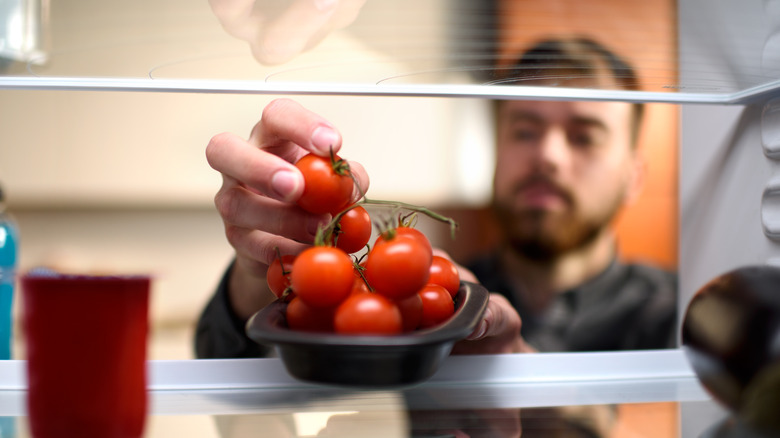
(108, 182)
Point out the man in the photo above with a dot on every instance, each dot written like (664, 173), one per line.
(563, 170)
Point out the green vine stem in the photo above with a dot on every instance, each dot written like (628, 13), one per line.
(416, 208)
(325, 235)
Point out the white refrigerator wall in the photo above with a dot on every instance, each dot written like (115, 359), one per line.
(728, 172)
(729, 167)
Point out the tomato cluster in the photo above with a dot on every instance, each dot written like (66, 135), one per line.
(396, 286)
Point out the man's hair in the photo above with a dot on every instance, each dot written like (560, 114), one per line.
(574, 60)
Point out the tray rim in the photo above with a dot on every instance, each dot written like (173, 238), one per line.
(471, 303)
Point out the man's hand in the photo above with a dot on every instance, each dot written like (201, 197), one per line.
(499, 331)
(260, 185)
(279, 30)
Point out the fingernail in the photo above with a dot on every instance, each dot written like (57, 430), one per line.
(324, 138)
(479, 332)
(285, 183)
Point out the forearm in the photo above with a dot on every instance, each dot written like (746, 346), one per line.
(247, 291)
(220, 331)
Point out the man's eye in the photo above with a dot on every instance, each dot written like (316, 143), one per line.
(524, 135)
(582, 140)
(586, 138)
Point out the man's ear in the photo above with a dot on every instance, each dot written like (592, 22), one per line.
(636, 177)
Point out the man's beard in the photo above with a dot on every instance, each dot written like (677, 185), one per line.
(544, 236)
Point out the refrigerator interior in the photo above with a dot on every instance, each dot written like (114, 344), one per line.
(107, 83)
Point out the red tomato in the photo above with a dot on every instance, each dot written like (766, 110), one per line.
(415, 234)
(322, 276)
(360, 284)
(407, 232)
(278, 275)
(353, 230)
(327, 185)
(367, 314)
(411, 312)
(445, 273)
(397, 268)
(301, 316)
(437, 305)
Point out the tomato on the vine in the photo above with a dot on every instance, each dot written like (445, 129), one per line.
(360, 284)
(437, 305)
(353, 230)
(445, 273)
(327, 186)
(414, 233)
(301, 316)
(398, 266)
(367, 314)
(322, 276)
(411, 312)
(278, 274)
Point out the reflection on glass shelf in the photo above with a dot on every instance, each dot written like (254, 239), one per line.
(450, 48)
(648, 394)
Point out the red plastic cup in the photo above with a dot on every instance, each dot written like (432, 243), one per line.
(86, 339)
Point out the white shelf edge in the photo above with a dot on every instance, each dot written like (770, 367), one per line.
(757, 93)
(543, 368)
(261, 386)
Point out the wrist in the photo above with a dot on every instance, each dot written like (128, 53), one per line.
(247, 290)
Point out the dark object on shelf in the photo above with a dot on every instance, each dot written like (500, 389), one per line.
(368, 361)
(731, 336)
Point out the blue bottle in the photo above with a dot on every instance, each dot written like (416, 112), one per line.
(9, 236)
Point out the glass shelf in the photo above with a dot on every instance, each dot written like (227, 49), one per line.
(255, 392)
(440, 49)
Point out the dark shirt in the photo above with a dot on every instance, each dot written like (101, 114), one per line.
(626, 307)
(221, 333)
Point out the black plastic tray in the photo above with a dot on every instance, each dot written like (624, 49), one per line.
(368, 361)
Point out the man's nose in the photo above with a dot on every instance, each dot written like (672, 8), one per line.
(553, 151)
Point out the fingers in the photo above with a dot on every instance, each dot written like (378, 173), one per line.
(264, 162)
(261, 183)
(235, 16)
(499, 331)
(279, 30)
(299, 27)
(286, 126)
(260, 247)
(500, 318)
(241, 208)
(267, 174)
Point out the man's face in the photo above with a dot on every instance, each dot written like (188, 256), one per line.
(563, 170)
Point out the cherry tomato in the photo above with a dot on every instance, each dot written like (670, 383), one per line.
(398, 266)
(414, 233)
(278, 275)
(411, 312)
(437, 305)
(406, 232)
(301, 316)
(327, 185)
(360, 284)
(322, 276)
(367, 314)
(353, 230)
(445, 273)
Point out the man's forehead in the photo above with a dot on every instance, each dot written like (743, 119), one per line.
(565, 110)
